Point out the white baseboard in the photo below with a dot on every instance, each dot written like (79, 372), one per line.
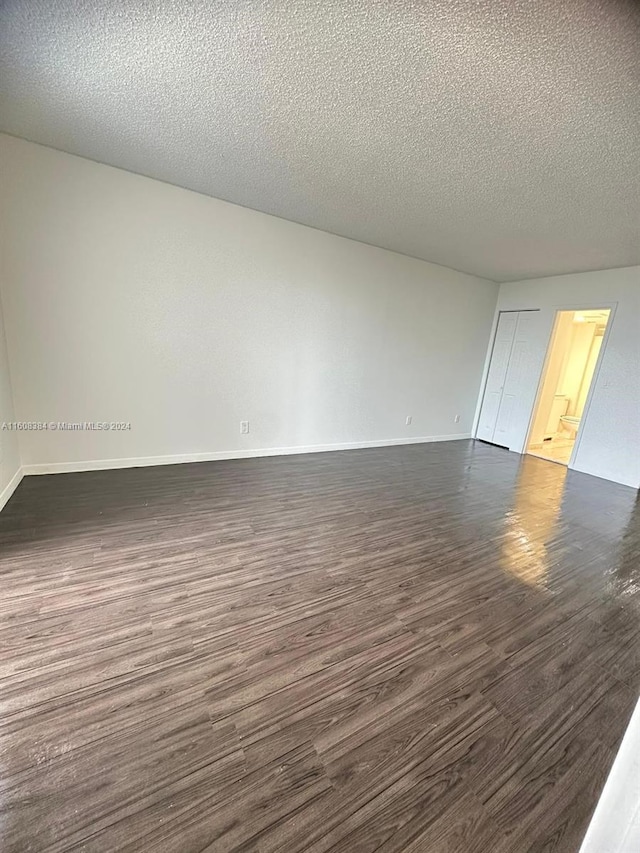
(212, 456)
(11, 486)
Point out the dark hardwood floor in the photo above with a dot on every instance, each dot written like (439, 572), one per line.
(423, 648)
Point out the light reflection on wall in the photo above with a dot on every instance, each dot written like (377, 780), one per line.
(531, 522)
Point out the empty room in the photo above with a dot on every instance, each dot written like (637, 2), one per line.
(319, 426)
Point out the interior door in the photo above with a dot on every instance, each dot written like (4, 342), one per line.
(496, 378)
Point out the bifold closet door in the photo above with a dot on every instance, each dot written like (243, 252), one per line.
(494, 388)
(512, 376)
(519, 385)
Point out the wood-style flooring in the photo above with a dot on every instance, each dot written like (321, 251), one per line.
(423, 648)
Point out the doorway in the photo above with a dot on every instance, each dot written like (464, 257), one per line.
(570, 366)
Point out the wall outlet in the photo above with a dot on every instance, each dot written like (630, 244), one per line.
(244, 427)
(408, 420)
(456, 420)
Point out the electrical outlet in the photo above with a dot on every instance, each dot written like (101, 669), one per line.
(244, 427)
(456, 420)
(408, 420)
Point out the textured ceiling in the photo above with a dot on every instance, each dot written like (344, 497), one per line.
(499, 137)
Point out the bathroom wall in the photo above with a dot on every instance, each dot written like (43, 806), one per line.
(571, 380)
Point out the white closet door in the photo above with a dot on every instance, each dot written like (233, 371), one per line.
(520, 379)
(500, 357)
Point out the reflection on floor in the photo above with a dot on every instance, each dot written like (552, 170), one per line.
(422, 648)
(558, 449)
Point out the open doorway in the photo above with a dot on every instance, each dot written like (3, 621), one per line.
(570, 366)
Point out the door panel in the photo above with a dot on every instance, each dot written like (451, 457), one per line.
(504, 421)
(505, 333)
(510, 392)
(520, 379)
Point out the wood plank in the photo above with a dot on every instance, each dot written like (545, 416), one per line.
(422, 648)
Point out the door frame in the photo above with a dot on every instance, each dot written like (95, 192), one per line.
(575, 306)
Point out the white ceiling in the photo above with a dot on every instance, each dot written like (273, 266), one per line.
(498, 137)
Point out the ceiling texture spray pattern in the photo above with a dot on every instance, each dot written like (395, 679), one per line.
(499, 138)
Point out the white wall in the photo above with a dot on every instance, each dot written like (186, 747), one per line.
(10, 473)
(615, 825)
(610, 441)
(127, 299)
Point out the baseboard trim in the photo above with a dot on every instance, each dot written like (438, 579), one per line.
(219, 455)
(11, 486)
